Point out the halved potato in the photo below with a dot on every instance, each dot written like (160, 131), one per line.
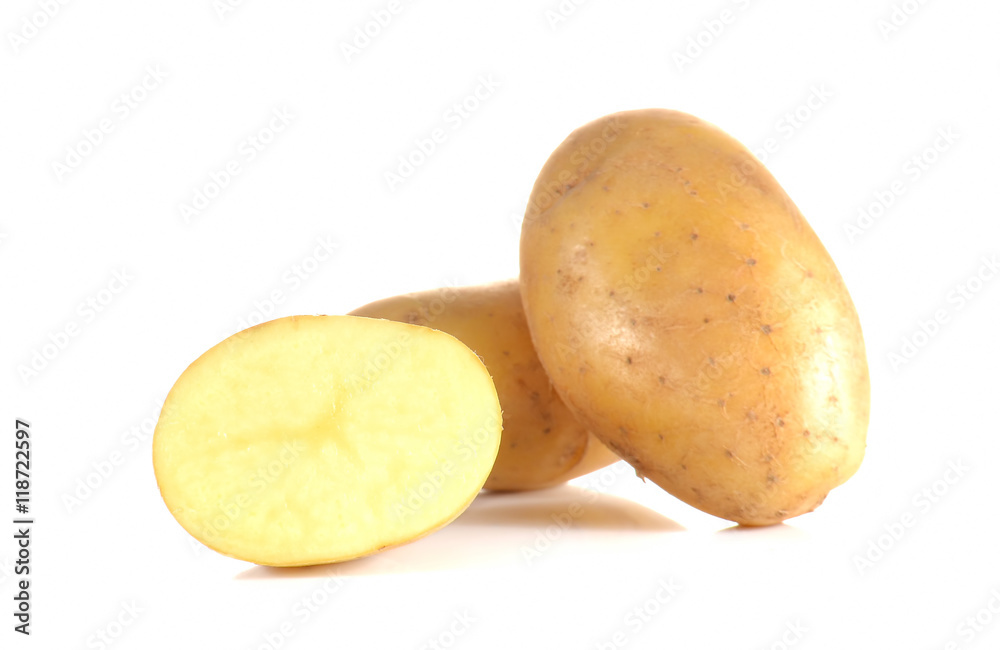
(315, 439)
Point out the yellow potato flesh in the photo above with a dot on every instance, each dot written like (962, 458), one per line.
(317, 439)
(691, 318)
(542, 444)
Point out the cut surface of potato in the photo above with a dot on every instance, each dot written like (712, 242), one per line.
(542, 444)
(314, 439)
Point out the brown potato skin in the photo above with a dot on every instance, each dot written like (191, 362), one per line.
(691, 318)
(542, 444)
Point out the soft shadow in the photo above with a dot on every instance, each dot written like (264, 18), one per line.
(774, 531)
(566, 504)
(360, 566)
(493, 531)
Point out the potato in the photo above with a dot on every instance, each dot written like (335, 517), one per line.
(315, 439)
(542, 444)
(691, 319)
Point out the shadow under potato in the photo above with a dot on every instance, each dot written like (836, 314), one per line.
(775, 531)
(577, 507)
(494, 529)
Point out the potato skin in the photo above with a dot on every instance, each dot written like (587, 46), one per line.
(542, 444)
(691, 319)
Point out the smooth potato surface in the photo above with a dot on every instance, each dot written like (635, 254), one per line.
(315, 439)
(542, 444)
(691, 318)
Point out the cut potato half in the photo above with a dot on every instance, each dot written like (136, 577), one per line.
(315, 439)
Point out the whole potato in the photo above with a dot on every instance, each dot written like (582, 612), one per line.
(691, 319)
(542, 444)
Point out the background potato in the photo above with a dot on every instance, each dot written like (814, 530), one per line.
(542, 444)
(690, 317)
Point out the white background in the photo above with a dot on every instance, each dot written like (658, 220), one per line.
(65, 233)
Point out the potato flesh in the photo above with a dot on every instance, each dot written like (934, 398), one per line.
(317, 439)
(542, 444)
(690, 317)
